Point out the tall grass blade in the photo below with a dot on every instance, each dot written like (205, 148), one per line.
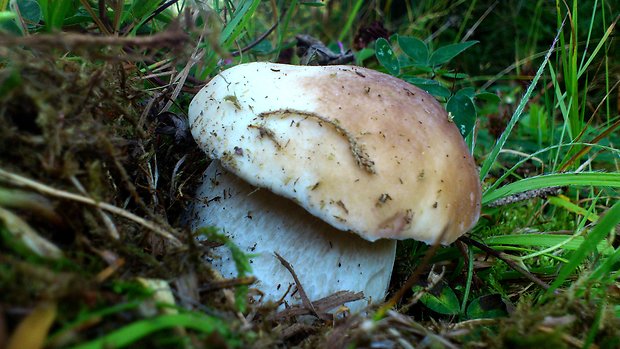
(600, 232)
(599, 179)
(557, 147)
(499, 145)
(605, 269)
(350, 19)
(238, 22)
(547, 241)
(608, 32)
(140, 329)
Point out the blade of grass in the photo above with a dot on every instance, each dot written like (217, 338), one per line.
(240, 19)
(606, 268)
(600, 179)
(470, 274)
(507, 173)
(586, 149)
(608, 32)
(592, 17)
(569, 66)
(350, 19)
(564, 109)
(565, 203)
(596, 324)
(605, 248)
(283, 28)
(568, 243)
(91, 316)
(598, 234)
(140, 329)
(499, 145)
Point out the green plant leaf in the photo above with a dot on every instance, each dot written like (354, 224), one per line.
(446, 53)
(351, 16)
(431, 86)
(30, 12)
(414, 48)
(488, 97)
(262, 48)
(363, 54)
(55, 12)
(441, 300)
(455, 75)
(7, 16)
(139, 9)
(467, 91)
(23, 239)
(488, 307)
(463, 112)
(242, 261)
(385, 56)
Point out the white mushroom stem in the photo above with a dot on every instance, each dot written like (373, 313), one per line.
(325, 259)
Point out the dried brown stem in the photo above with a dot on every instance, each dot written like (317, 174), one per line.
(304, 297)
(413, 279)
(526, 195)
(502, 256)
(322, 305)
(173, 37)
(47, 190)
(229, 283)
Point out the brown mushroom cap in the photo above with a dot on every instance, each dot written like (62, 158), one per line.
(361, 150)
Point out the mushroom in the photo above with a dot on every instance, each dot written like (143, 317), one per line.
(328, 166)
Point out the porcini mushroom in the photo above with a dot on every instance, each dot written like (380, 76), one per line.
(326, 166)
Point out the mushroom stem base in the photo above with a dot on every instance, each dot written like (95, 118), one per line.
(325, 259)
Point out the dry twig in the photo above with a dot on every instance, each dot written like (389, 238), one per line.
(321, 306)
(174, 37)
(304, 297)
(502, 256)
(228, 283)
(413, 279)
(44, 189)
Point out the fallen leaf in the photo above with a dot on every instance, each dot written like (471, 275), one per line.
(32, 330)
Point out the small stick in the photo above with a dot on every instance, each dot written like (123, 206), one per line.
(304, 297)
(229, 283)
(508, 261)
(415, 276)
(255, 42)
(173, 37)
(112, 231)
(432, 282)
(44, 189)
(324, 304)
(526, 195)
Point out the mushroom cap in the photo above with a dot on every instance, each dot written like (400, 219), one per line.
(364, 151)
